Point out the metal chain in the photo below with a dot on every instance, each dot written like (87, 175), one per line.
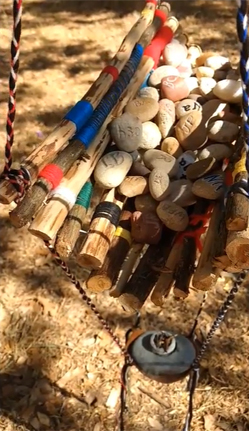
(85, 297)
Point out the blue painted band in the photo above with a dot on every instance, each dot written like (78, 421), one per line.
(80, 114)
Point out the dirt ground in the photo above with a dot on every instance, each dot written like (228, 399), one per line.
(58, 369)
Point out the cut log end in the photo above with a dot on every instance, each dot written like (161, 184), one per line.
(90, 262)
(98, 283)
(237, 224)
(130, 303)
(8, 193)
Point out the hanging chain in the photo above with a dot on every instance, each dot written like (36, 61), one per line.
(84, 296)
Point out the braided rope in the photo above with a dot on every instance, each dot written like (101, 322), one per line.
(14, 66)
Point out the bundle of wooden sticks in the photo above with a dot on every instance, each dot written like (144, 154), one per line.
(148, 169)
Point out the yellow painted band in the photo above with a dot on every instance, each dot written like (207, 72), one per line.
(123, 233)
(240, 165)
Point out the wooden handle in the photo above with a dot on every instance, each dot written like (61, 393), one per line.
(142, 280)
(127, 268)
(70, 230)
(102, 229)
(51, 217)
(46, 151)
(206, 274)
(106, 276)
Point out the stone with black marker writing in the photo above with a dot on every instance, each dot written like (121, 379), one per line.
(112, 168)
(210, 186)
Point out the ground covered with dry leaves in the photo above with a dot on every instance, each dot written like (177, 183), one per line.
(58, 369)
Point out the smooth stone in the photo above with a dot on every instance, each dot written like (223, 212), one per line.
(171, 146)
(222, 131)
(126, 132)
(218, 62)
(206, 86)
(191, 131)
(218, 151)
(194, 51)
(185, 69)
(160, 73)
(204, 72)
(146, 227)
(233, 74)
(174, 53)
(159, 159)
(209, 187)
(149, 92)
(201, 168)
(174, 88)
(165, 118)
(136, 157)
(134, 186)
(138, 169)
(198, 98)
(145, 203)
(212, 108)
(112, 168)
(186, 106)
(229, 91)
(173, 216)
(200, 61)
(184, 161)
(151, 136)
(145, 108)
(159, 184)
(192, 84)
(180, 193)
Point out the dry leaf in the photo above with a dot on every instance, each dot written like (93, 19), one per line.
(209, 422)
(155, 424)
(44, 419)
(90, 398)
(113, 398)
(35, 423)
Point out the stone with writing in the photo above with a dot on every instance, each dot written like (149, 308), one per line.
(187, 106)
(186, 159)
(210, 186)
(159, 183)
(159, 159)
(126, 132)
(112, 168)
(217, 151)
(201, 168)
(165, 118)
(191, 131)
(145, 203)
(174, 88)
(145, 108)
(149, 92)
(160, 73)
(151, 136)
(171, 146)
(180, 192)
(198, 98)
(146, 227)
(172, 215)
(222, 131)
(133, 186)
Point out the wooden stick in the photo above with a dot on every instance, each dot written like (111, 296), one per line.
(206, 274)
(220, 259)
(237, 207)
(24, 212)
(129, 265)
(97, 194)
(66, 129)
(70, 230)
(103, 278)
(237, 248)
(51, 217)
(191, 237)
(144, 278)
(101, 232)
(166, 279)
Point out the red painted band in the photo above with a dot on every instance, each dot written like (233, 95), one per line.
(162, 38)
(53, 174)
(161, 14)
(151, 1)
(113, 71)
